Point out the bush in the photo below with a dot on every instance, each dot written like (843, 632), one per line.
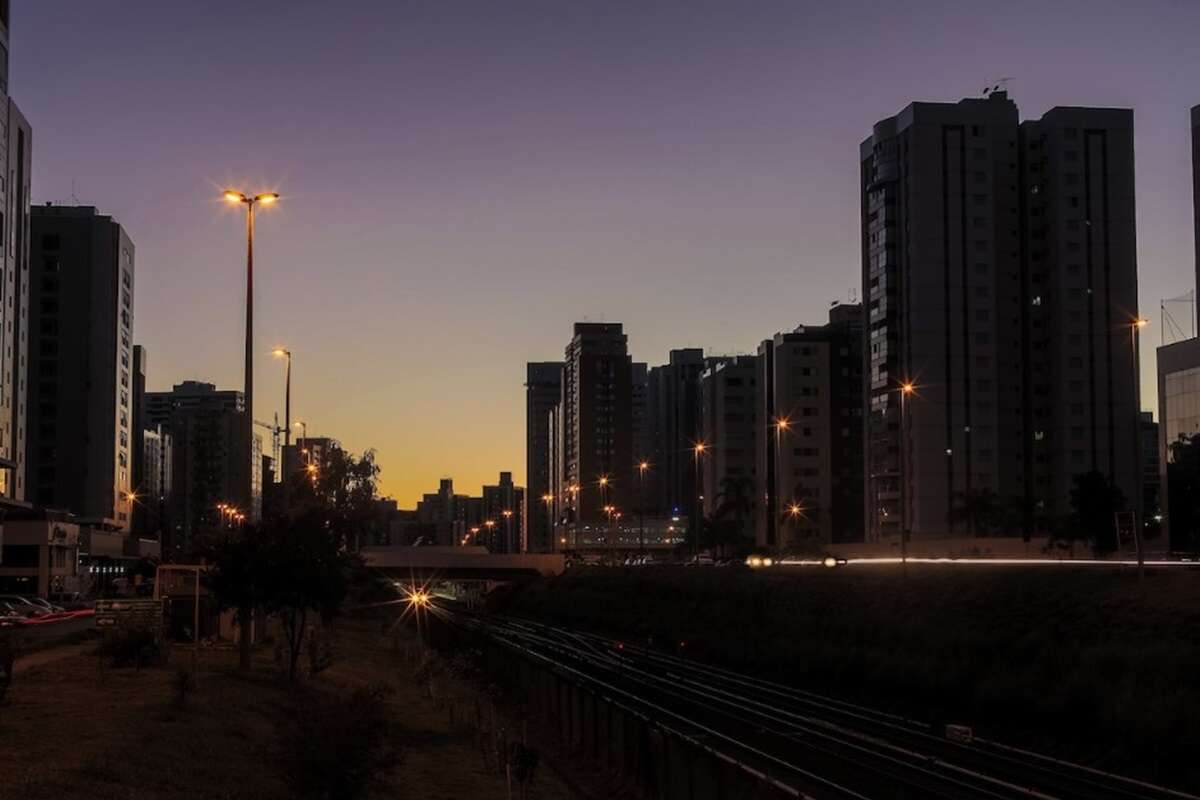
(341, 745)
(125, 647)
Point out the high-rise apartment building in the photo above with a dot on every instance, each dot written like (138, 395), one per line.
(15, 151)
(999, 273)
(729, 417)
(208, 459)
(80, 447)
(597, 421)
(810, 433)
(151, 509)
(543, 391)
(503, 505)
(674, 403)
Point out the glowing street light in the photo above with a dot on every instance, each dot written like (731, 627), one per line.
(283, 352)
(697, 450)
(262, 198)
(642, 467)
(907, 389)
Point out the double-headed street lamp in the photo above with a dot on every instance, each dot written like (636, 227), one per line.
(266, 199)
(508, 540)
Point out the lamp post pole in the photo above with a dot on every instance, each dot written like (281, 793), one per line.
(264, 198)
(1134, 330)
(905, 390)
(642, 467)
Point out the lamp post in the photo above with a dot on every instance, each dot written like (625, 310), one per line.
(303, 426)
(548, 499)
(697, 451)
(642, 467)
(774, 494)
(573, 490)
(906, 389)
(283, 352)
(1134, 329)
(266, 199)
(507, 529)
(603, 484)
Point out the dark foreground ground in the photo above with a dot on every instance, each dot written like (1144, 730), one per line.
(74, 727)
(1082, 664)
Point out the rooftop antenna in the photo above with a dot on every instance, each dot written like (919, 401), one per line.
(73, 199)
(1168, 320)
(1000, 85)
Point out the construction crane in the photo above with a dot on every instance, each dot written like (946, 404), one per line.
(275, 432)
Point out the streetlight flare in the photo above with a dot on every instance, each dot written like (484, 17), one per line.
(1141, 322)
(234, 196)
(908, 387)
(266, 198)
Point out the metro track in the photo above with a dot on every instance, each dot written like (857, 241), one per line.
(815, 746)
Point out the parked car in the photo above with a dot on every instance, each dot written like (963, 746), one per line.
(25, 607)
(46, 604)
(16, 612)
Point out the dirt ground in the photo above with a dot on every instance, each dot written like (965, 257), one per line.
(73, 728)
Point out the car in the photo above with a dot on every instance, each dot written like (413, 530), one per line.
(26, 607)
(46, 604)
(17, 612)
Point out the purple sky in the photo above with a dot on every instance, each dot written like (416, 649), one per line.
(463, 180)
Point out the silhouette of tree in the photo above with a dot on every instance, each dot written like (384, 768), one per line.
(1095, 502)
(980, 509)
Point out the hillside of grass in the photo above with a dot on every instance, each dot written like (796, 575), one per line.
(1082, 664)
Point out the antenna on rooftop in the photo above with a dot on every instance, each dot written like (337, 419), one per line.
(998, 86)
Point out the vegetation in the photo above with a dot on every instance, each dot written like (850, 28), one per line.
(1087, 665)
(1094, 503)
(340, 747)
(299, 562)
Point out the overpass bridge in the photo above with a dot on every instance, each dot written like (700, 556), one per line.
(459, 563)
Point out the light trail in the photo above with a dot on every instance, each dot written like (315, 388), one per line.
(988, 562)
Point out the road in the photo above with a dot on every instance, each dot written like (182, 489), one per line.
(810, 745)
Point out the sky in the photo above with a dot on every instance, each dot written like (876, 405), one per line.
(463, 180)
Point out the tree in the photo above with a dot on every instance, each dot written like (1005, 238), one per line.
(980, 509)
(308, 571)
(1095, 502)
(298, 562)
(240, 562)
(736, 501)
(342, 486)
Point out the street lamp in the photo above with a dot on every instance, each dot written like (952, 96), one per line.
(1136, 457)
(283, 352)
(642, 467)
(697, 451)
(781, 425)
(906, 390)
(489, 524)
(266, 199)
(508, 542)
(547, 499)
